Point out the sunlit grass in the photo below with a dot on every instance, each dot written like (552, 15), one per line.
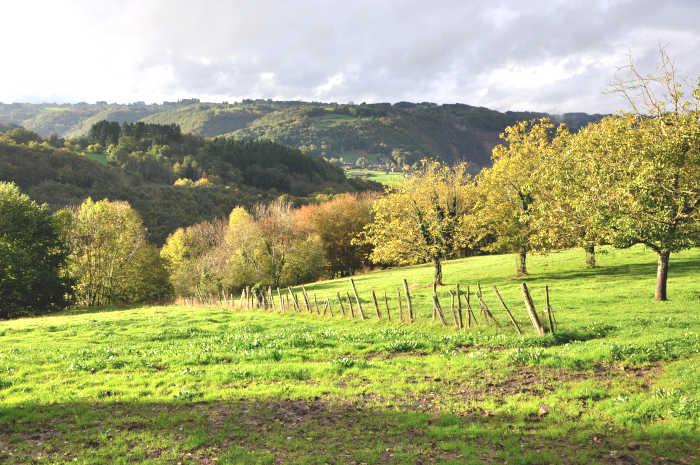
(618, 384)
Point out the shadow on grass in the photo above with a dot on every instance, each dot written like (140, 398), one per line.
(317, 431)
(631, 271)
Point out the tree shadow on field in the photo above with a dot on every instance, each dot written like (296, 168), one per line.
(315, 431)
(632, 271)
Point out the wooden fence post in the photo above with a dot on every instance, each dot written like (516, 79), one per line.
(453, 309)
(550, 312)
(459, 307)
(470, 313)
(352, 309)
(357, 298)
(398, 299)
(307, 302)
(376, 305)
(340, 302)
(295, 301)
(408, 301)
(539, 329)
(437, 308)
(386, 303)
(485, 308)
(510, 315)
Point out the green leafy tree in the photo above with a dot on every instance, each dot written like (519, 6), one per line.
(32, 256)
(644, 184)
(643, 167)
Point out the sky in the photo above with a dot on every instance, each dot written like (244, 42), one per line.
(553, 56)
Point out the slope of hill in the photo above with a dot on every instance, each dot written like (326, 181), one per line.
(211, 385)
(402, 130)
(186, 181)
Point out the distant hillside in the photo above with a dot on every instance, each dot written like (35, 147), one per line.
(172, 179)
(406, 130)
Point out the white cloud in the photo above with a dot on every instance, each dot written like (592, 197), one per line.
(330, 85)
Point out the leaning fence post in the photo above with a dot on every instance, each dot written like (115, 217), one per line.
(357, 298)
(307, 302)
(408, 301)
(437, 308)
(352, 309)
(485, 308)
(295, 301)
(510, 315)
(376, 305)
(340, 302)
(531, 310)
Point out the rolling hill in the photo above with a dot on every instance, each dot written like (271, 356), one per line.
(451, 132)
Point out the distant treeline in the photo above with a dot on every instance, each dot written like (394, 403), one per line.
(449, 132)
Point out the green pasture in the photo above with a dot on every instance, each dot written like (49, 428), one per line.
(618, 384)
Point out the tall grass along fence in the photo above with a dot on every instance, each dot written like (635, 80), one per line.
(468, 305)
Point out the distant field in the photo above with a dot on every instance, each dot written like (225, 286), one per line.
(98, 157)
(619, 384)
(388, 179)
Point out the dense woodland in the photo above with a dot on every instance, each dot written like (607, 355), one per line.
(171, 179)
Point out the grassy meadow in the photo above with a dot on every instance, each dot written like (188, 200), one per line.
(618, 384)
(388, 179)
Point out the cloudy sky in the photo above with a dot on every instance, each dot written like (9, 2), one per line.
(551, 55)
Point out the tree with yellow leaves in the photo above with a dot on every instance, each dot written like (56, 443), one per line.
(423, 220)
(508, 193)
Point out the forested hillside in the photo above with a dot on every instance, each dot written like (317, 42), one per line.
(402, 132)
(172, 179)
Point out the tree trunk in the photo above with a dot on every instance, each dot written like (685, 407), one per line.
(438, 271)
(522, 262)
(662, 274)
(590, 256)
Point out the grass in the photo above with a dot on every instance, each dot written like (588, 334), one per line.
(99, 157)
(619, 384)
(388, 179)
